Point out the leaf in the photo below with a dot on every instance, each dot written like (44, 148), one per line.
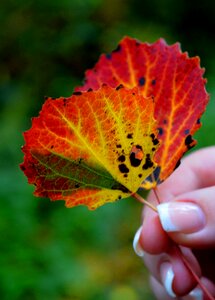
(173, 79)
(93, 147)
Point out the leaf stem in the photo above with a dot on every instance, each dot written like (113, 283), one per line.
(143, 201)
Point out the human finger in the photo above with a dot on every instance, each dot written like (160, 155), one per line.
(196, 294)
(171, 272)
(190, 219)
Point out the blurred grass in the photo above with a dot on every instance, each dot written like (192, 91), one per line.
(48, 251)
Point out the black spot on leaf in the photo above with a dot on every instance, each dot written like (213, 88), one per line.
(155, 141)
(22, 168)
(129, 135)
(64, 102)
(148, 163)
(160, 130)
(135, 162)
(136, 156)
(189, 142)
(123, 168)
(119, 87)
(80, 160)
(121, 158)
(77, 93)
(142, 81)
(108, 56)
(139, 147)
(117, 49)
(177, 164)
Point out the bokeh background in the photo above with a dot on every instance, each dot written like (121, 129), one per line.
(46, 250)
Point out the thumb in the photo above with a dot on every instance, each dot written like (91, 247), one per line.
(189, 219)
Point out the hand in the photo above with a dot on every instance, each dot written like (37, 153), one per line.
(186, 216)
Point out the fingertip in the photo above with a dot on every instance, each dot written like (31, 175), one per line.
(189, 218)
(167, 278)
(176, 279)
(184, 280)
(158, 289)
(136, 243)
(184, 217)
(172, 272)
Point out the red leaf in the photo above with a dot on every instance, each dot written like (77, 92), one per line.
(172, 78)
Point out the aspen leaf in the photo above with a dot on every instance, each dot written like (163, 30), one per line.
(93, 147)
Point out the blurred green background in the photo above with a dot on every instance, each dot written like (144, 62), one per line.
(46, 250)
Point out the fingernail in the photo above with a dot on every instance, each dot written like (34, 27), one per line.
(185, 217)
(167, 276)
(196, 294)
(136, 245)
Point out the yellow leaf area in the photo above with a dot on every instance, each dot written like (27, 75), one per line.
(92, 148)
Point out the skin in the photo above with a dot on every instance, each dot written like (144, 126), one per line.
(193, 181)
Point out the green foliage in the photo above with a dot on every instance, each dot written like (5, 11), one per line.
(47, 251)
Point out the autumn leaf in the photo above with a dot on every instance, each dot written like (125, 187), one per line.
(102, 143)
(173, 79)
(93, 147)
